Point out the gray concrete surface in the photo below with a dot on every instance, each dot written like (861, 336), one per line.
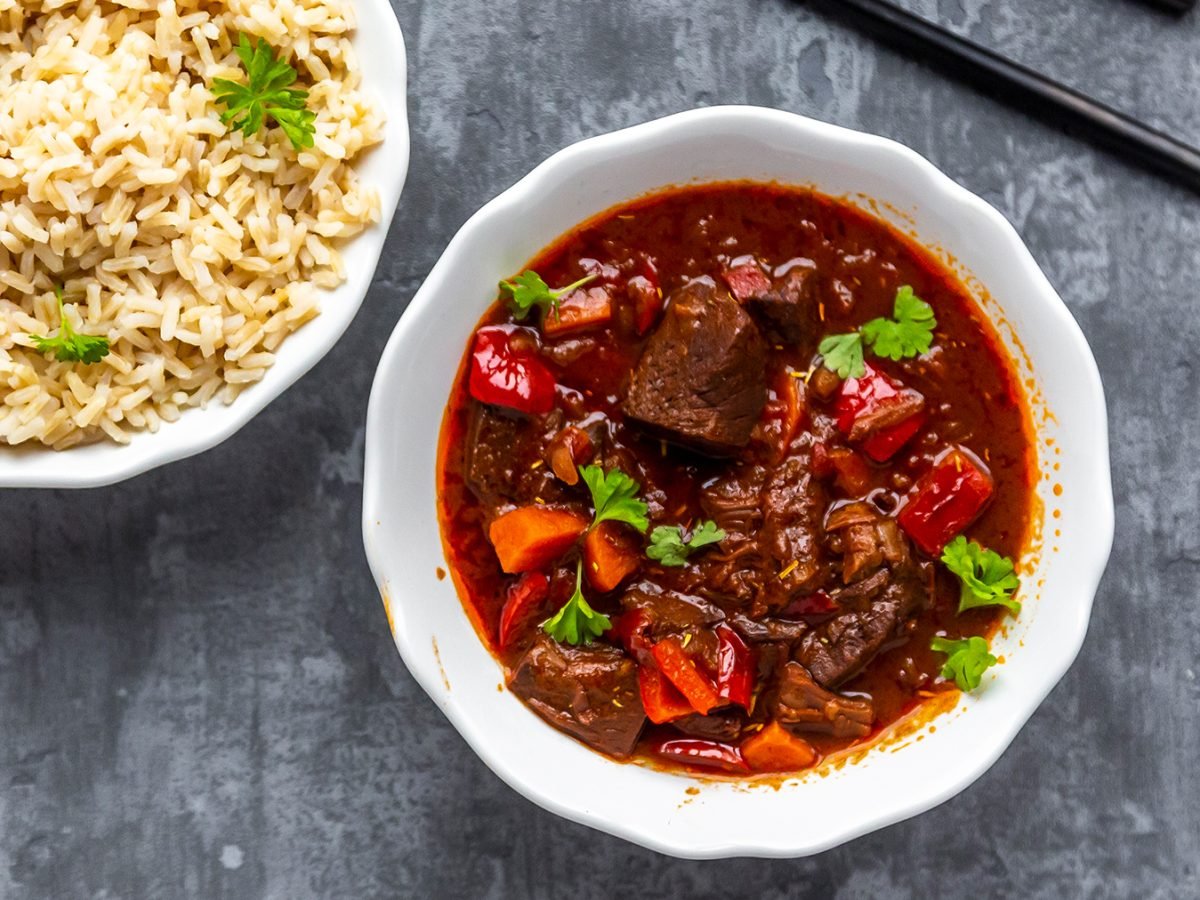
(198, 696)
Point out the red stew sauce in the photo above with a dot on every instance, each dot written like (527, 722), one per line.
(688, 361)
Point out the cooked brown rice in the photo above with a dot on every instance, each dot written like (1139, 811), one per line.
(194, 250)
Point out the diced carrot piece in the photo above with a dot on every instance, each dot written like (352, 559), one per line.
(609, 556)
(681, 671)
(660, 699)
(532, 537)
(775, 749)
(581, 309)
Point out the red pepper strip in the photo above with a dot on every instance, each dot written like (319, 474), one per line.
(867, 396)
(524, 596)
(646, 293)
(681, 670)
(660, 699)
(883, 445)
(945, 500)
(630, 629)
(815, 604)
(701, 753)
(735, 667)
(503, 375)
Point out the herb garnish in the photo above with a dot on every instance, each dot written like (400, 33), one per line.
(528, 291)
(69, 345)
(967, 660)
(988, 579)
(576, 622)
(266, 93)
(614, 496)
(668, 546)
(908, 333)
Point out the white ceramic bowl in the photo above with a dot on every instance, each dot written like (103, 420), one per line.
(652, 807)
(380, 48)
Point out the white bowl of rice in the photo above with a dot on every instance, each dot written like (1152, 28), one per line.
(218, 266)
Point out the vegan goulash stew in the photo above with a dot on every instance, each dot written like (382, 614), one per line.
(733, 477)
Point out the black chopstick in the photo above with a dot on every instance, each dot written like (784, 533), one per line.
(1058, 104)
(1175, 5)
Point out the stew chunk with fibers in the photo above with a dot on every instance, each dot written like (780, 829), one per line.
(722, 469)
(701, 380)
(590, 692)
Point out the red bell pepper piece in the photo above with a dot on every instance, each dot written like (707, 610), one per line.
(883, 445)
(660, 699)
(945, 500)
(817, 603)
(505, 375)
(702, 753)
(630, 629)
(681, 670)
(735, 667)
(870, 396)
(646, 293)
(524, 596)
(746, 281)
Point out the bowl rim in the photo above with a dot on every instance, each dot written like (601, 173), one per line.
(37, 466)
(577, 157)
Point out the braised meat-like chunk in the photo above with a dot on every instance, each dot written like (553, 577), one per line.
(839, 649)
(804, 705)
(590, 692)
(787, 311)
(701, 380)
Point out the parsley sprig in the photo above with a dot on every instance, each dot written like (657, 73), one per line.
(615, 497)
(69, 345)
(528, 291)
(669, 547)
(909, 332)
(576, 622)
(966, 661)
(265, 94)
(988, 579)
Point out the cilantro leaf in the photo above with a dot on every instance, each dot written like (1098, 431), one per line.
(576, 622)
(843, 353)
(988, 579)
(69, 345)
(967, 660)
(265, 94)
(615, 497)
(668, 546)
(908, 333)
(528, 291)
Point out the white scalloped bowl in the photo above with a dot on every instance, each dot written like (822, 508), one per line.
(671, 812)
(380, 47)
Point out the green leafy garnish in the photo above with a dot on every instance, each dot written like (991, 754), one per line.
(614, 497)
(266, 93)
(69, 345)
(668, 546)
(528, 291)
(968, 660)
(843, 353)
(576, 621)
(988, 579)
(908, 333)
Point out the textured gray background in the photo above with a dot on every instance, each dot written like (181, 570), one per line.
(200, 701)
